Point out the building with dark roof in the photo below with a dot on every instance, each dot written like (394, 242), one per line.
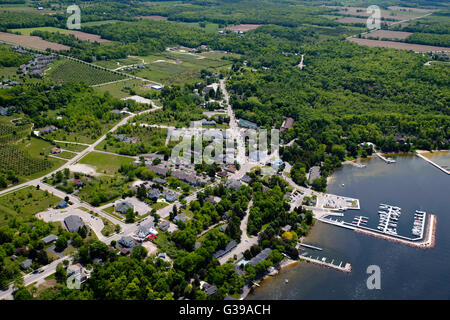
(154, 194)
(159, 170)
(260, 257)
(181, 217)
(164, 225)
(186, 177)
(62, 204)
(209, 289)
(247, 124)
(123, 206)
(127, 242)
(287, 124)
(170, 196)
(26, 264)
(73, 223)
(49, 239)
(234, 184)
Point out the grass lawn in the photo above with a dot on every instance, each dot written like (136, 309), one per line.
(122, 89)
(66, 155)
(71, 146)
(105, 163)
(110, 210)
(25, 203)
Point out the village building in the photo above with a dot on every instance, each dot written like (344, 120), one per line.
(73, 223)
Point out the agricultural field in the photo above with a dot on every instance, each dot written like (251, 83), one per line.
(397, 45)
(386, 34)
(31, 42)
(25, 203)
(78, 34)
(105, 163)
(98, 23)
(66, 70)
(243, 27)
(173, 67)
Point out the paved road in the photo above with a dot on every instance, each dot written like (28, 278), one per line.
(31, 278)
(246, 241)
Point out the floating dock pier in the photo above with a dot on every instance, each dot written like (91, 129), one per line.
(387, 160)
(323, 262)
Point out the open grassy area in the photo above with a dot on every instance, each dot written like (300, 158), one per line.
(65, 70)
(25, 203)
(122, 89)
(105, 163)
(28, 31)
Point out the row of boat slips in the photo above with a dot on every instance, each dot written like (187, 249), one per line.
(419, 223)
(388, 218)
(360, 221)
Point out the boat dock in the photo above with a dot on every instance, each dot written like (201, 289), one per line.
(387, 160)
(347, 267)
(308, 246)
(433, 163)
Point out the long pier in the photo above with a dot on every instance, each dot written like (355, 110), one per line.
(309, 246)
(433, 163)
(387, 160)
(347, 267)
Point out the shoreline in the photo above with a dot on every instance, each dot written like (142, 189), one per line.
(282, 265)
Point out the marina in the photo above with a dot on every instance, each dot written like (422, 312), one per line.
(387, 226)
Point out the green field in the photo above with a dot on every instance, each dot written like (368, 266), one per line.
(25, 203)
(122, 89)
(105, 163)
(65, 70)
(28, 31)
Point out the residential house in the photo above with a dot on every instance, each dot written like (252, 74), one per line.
(246, 178)
(154, 194)
(209, 289)
(123, 206)
(170, 196)
(181, 217)
(49, 239)
(160, 181)
(127, 242)
(56, 150)
(48, 129)
(234, 184)
(287, 124)
(230, 168)
(164, 225)
(25, 265)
